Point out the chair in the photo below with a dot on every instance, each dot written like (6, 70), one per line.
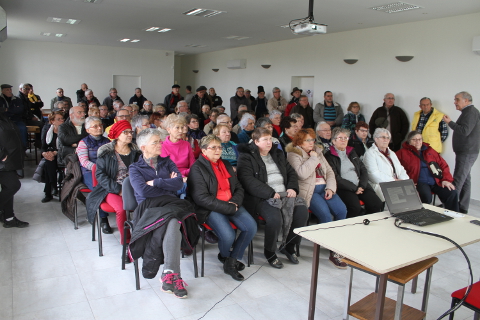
(75, 222)
(472, 302)
(105, 207)
(31, 134)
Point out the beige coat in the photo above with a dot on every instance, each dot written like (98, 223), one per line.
(305, 166)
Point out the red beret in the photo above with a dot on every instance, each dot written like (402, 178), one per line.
(118, 127)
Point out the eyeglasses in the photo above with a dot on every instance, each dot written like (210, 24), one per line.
(384, 137)
(416, 140)
(363, 130)
(265, 139)
(226, 122)
(97, 126)
(390, 98)
(309, 140)
(156, 143)
(342, 138)
(124, 116)
(326, 130)
(127, 132)
(214, 148)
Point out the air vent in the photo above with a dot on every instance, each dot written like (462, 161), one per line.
(396, 7)
(206, 13)
(92, 1)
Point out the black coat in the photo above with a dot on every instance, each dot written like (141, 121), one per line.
(67, 135)
(202, 189)
(107, 169)
(197, 103)
(357, 144)
(10, 145)
(252, 173)
(399, 124)
(362, 173)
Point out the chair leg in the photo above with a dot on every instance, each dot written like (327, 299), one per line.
(124, 251)
(93, 226)
(298, 249)
(137, 275)
(203, 251)
(99, 230)
(75, 216)
(476, 316)
(426, 289)
(195, 265)
(250, 247)
(454, 302)
(414, 284)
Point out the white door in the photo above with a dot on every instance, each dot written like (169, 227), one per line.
(305, 83)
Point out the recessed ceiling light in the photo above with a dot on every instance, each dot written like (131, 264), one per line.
(396, 7)
(71, 21)
(92, 1)
(59, 35)
(242, 38)
(231, 37)
(63, 20)
(124, 40)
(152, 29)
(199, 12)
(165, 30)
(135, 40)
(47, 34)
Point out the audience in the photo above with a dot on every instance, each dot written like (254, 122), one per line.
(89, 98)
(14, 110)
(277, 102)
(225, 119)
(159, 122)
(296, 93)
(135, 110)
(382, 163)
(236, 101)
(253, 102)
(429, 122)
(420, 161)
(276, 117)
(193, 123)
(147, 109)
(199, 100)
(160, 108)
(139, 123)
(359, 140)
(261, 102)
(353, 116)
(351, 176)
(94, 112)
(189, 95)
(266, 123)
(112, 96)
(104, 116)
(289, 129)
(122, 114)
(216, 100)
(214, 113)
(303, 108)
(81, 92)
(218, 195)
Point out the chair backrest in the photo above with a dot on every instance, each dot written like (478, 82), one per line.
(94, 176)
(128, 196)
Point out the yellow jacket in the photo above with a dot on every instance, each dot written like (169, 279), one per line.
(430, 133)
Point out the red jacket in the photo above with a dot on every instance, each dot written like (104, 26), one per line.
(411, 162)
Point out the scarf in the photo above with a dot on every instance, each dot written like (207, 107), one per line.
(222, 175)
(387, 155)
(172, 98)
(32, 97)
(49, 136)
(277, 128)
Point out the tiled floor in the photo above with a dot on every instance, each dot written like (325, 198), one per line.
(51, 271)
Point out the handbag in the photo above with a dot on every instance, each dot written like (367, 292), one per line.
(39, 174)
(434, 167)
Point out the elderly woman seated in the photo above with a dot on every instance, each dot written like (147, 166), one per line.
(113, 160)
(351, 176)
(265, 122)
(360, 141)
(382, 163)
(267, 177)
(247, 123)
(416, 157)
(276, 116)
(193, 123)
(229, 148)
(156, 180)
(218, 195)
(139, 123)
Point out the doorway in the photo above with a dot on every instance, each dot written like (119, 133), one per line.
(306, 83)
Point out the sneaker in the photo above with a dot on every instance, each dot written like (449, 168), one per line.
(336, 259)
(167, 279)
(179, 290)
(15, 223)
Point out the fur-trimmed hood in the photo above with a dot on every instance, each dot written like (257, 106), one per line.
(298, 150)
(110, 148)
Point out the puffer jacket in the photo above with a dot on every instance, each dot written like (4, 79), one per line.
(305, 166)
(10, 145)
(202, 189)
(252, 174)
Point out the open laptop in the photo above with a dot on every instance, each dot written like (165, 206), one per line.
(404, 203)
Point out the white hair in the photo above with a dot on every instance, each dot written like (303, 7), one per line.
(144, 137)
(244, 122)
(379, 131)
(90, 120)
(273, 113)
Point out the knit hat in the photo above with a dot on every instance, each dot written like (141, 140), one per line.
(260, 89)
(201, 88)
(118, 127)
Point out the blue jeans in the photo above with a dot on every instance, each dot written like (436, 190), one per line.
(324, 209)
(220, 223)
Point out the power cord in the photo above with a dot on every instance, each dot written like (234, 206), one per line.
(397, 224)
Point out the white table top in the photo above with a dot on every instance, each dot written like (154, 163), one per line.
(383, 247)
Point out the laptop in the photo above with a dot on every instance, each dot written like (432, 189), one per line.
(404, 203)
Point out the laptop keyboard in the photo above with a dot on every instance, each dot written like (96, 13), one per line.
(419, 216)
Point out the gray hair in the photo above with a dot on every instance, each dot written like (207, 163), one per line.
(275, 89)
(319, 124)
(273, 113)
(262, 122)
(242, 106)
(465, 95)
(244, 122)
(55, 105)
(87, 91)
(137, 121)
(385, 96)
(174, 119)
(379, 131)
(144, 136)
(90, 120)
(296, 116)
(221, 116)
(336, 131)
(204, 143)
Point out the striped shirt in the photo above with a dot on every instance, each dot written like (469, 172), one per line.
(329, 113)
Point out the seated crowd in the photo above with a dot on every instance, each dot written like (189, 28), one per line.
(272, 161)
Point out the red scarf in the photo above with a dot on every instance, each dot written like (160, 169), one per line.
(222, 175)
(277, 128)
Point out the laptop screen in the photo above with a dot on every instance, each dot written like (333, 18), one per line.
(401, 196)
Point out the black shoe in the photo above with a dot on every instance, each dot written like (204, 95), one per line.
(229, 268)
(211, 237)
(15, 223)
(291, 256)
(463, 211)
(106, 228)
(238, 265)
(47, 199)
(277, 264)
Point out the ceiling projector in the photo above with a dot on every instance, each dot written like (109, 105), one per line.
(310, 28)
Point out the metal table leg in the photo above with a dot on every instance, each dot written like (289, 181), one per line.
(313, 282)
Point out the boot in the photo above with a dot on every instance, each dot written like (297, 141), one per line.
(238, 265)
(229, 268)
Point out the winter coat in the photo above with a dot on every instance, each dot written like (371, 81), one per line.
(235, 102)
(357, 144)
(67, 135)
(399, 124)
(272, 104)
(13, 109)
(307, 114)
(252, 174)
(171, 106)
(140, 172)
(71, 185)
(107, 169)
(67, 100)
(10, 145)
(305, 167)
(350, 120)
(108, 101)
(138, 101)
(411, 162)
(466, 131)
(94, 99)
(203, 186)
(197, 103)
(380, 169)
(181, 153)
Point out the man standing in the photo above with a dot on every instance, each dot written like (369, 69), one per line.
(331, 112)
(189, 95)
(137, 98)
(11, 160)
(429, 122)
(81, 92)
(199, 100)
(237, 100)
(61, 97)
(303, 108)
(172, 99)
(466, 145)
(277, 102)
(261, 103)
(112, 96)
(13, 109)
(89, 98)
(248, 95)
(216, 100)
(70, 133)
(391, 118)
(296, 93)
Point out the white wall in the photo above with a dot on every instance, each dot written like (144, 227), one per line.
(444, 64)
(49, 65)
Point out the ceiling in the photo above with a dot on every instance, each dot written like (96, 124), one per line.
(108, 21)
